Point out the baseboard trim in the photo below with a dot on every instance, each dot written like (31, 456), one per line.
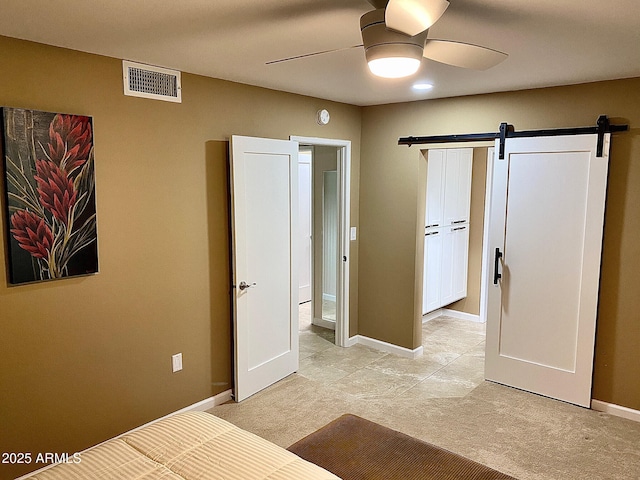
(388, 347)
(461, 315)
(616, 410)
(200, 406)
(427, 317)
(321, 322)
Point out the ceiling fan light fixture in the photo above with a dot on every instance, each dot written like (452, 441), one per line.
(394, 60)
(394, 67)
(390, 54)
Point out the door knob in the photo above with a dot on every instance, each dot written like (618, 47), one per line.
(243, 285)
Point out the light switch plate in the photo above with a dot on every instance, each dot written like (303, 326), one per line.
(353, 233)
(176, 362)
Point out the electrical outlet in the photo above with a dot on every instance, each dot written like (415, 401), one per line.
(176, 362)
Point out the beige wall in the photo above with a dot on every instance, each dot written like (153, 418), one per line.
(390, 190)
(87, 358)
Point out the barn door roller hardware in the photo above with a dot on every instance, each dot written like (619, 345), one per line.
(507, 131)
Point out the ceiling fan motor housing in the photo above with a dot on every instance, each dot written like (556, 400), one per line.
(382, 42)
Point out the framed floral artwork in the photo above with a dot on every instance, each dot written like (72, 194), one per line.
(50, 195)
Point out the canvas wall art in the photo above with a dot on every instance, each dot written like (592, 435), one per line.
(50, 195)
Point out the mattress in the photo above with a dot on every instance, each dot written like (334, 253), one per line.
(188, 446)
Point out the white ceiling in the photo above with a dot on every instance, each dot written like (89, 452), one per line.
(549, 42)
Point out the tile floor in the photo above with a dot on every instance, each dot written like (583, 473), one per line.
(452, 364)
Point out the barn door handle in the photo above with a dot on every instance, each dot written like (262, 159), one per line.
(496, 261)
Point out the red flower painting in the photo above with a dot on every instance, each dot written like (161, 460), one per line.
(32, 233)
(50, 194)
(70, 141)
(57, 193)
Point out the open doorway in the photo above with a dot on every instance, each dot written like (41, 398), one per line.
(324, 188)
(318, 208)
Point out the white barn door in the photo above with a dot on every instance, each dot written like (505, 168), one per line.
(545, 243)
(264, 190)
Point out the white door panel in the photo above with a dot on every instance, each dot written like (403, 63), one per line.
(457, 185)
(455, 258)
(464, 185)
(548, 239)
(446, 275)
(435, 188)
(432, 271)
(546, 217)
(265, 217)
(460, 261)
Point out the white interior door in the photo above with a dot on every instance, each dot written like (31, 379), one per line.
(305, 225)
(432, 270)
(546, 220)
(265, 271)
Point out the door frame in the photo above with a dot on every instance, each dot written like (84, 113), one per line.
(344, 228)
(484, 269)
(310, 198)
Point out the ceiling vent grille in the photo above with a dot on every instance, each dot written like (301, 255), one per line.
(151, 82)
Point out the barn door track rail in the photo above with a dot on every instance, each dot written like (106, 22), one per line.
(507, 131)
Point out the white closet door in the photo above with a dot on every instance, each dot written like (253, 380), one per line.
(455, 259)
(435, 188)
(457, 185)
(546, 219)
(446, 275)
(446, 227)
(432, 271)
(460, 263)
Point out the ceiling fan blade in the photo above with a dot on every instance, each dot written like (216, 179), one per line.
(465, 55)
(413, 16)
(296, 57)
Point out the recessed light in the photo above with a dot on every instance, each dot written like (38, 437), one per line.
(422, 86)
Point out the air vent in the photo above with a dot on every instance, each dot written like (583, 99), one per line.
(151, 82)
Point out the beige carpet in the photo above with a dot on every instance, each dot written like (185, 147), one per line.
(356, 449)
(441, 398)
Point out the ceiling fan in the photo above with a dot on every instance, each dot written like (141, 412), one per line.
(394, 37)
